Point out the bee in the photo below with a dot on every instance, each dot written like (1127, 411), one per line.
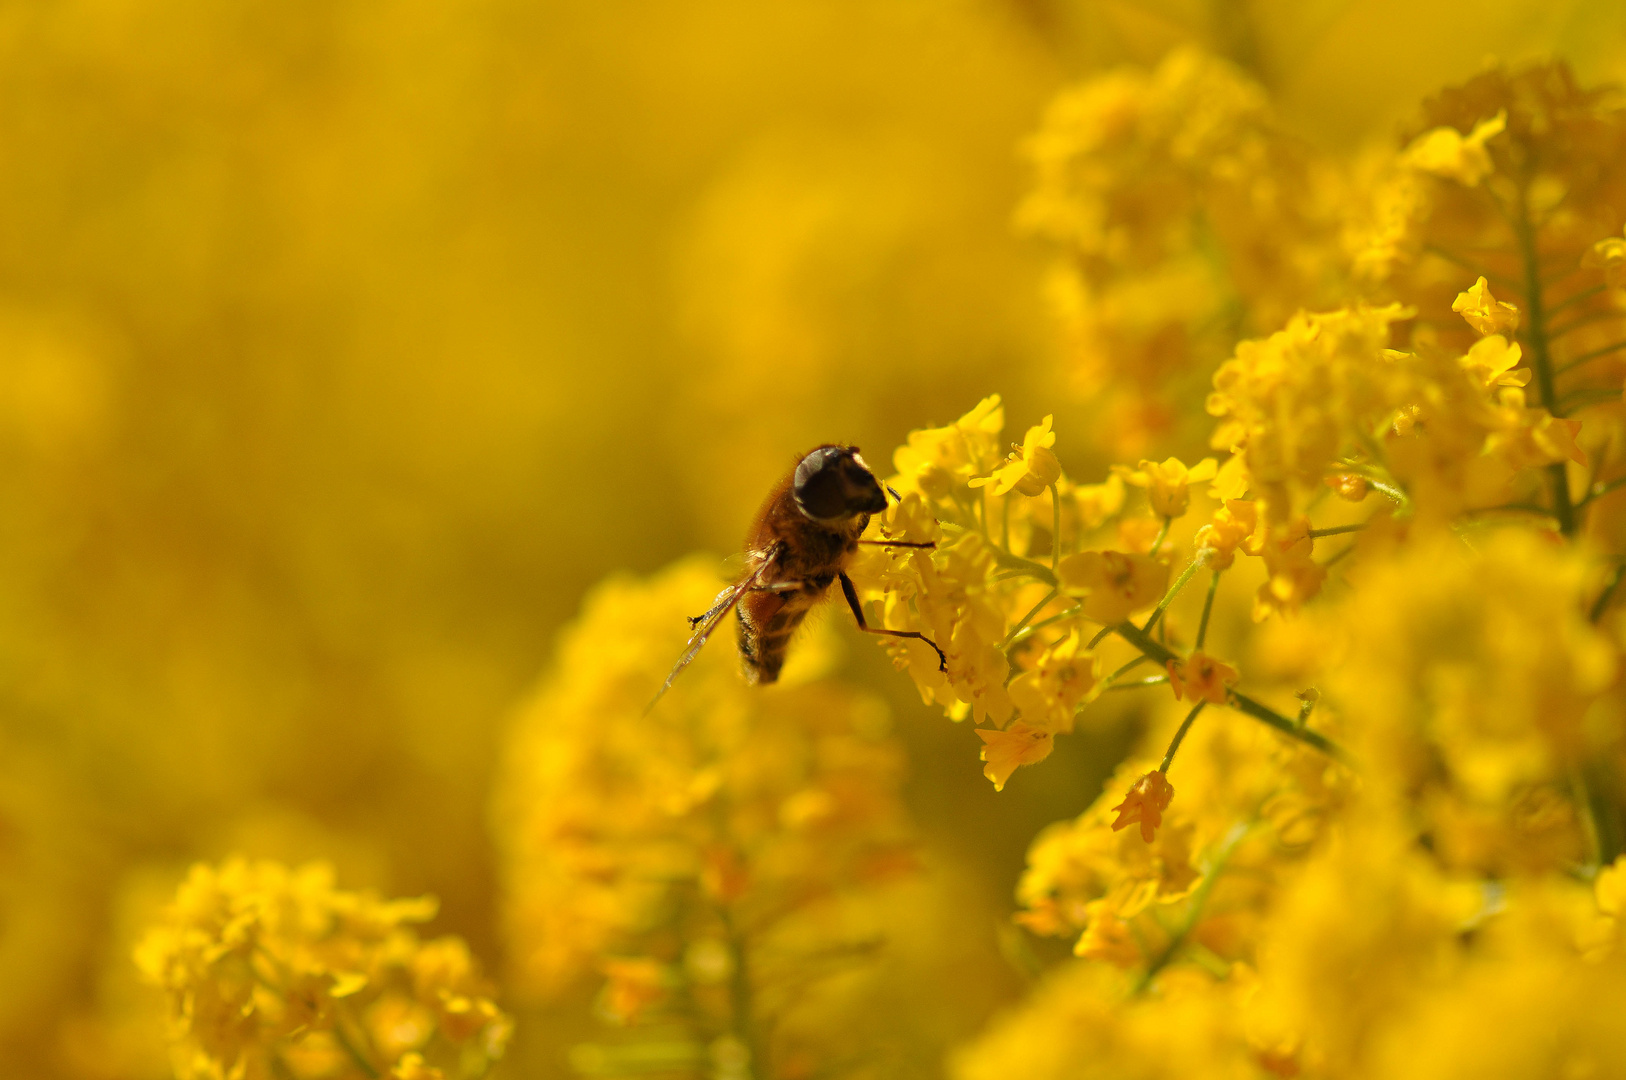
(799, 544)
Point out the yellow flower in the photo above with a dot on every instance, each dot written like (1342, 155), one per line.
(1201, 678)
(1098, 502)
(632, 985)
(1023, 744)
(254, 958)
(1230, 529)
(1063, 678)
(1491, 362)
(1031, 469)
(1144, 803)
(1444, 152)
(1484, 312)
(1608, 255)
(1107, 937)
(1114, 584)
(1350, 486)
(1294, 576)
(1168, 483)
(1523, 436)
(412, 1067)
(935, 460)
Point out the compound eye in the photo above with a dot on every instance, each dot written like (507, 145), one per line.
(863, 490)
(819, 486)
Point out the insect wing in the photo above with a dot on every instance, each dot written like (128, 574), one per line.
(727, 600)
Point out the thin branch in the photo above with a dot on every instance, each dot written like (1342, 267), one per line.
(1574, 298)
(1138, 684)
(1208, 608)
(1162, 655)
(1337, 530)
(1601, 604)
(1584, 320)
(1180, 737)
(1593, 355)
(1174, 590)
(1600, 490)
(1162, 535)
(1009, 638)
(1540, 358)
(1199, 897)
(1472, 267)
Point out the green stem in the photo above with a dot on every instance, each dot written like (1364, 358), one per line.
(349, 1047)
(1180, 737)
(1601, 604)
(1009, 638)
(1174, 590)
(1575, 298)
(1055, 528)
(1512, 508)
(742, 1014)
(1199, 897)
(1600, 490)
(1162, 535)
(1471, 267)
(1591, 395)
(1016, 562)
(1540, 357)
(1138, 684)
(1337, 530)
(1162, 655)
(1593, 355)
(1208, 608)
(1113, 678)
(1042, 623)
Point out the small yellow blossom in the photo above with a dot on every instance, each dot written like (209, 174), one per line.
(413, 1067)
(1031, 469)
(1350, 486)
(1063, 678)
(1167, 483)
(1608, 927)
(1201, 678)
(1484, 312)
(1445, 152)
(632, 985)
(1098, 502)
(1107, 937)
(1003, 751)
(1294, 576)
(1144, 803)
(1114, 584)
(1232, 526)
(935, 459)
(1491, 362)
(1608, 255)
(1524, 436)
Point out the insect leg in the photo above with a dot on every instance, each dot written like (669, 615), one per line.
(726, 600)
(901, 543)
(858, 613)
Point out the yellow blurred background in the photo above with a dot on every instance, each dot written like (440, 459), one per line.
(344, 346)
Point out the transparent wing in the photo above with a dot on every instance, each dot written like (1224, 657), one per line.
(707, 624)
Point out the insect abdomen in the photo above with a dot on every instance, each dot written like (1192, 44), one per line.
(766, 627)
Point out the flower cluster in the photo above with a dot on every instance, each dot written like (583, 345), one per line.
(1182, 214)
(1407, 799)
(271, 972)
(711, 860)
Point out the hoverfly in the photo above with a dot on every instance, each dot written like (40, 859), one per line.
(799, 545)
